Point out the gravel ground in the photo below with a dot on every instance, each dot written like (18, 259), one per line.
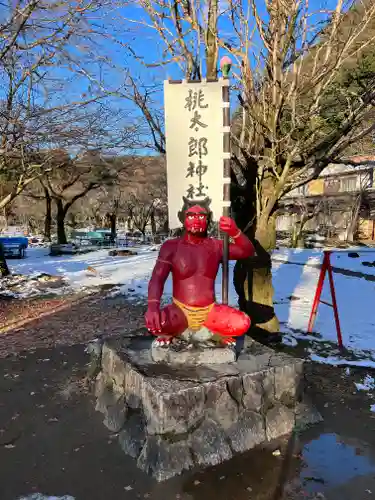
(67, 321)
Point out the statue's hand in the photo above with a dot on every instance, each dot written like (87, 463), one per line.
(153, 319)
(227, 225)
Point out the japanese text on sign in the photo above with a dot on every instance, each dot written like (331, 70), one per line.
(194, 144)
(197, 146)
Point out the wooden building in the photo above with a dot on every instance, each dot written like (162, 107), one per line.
(342, 194)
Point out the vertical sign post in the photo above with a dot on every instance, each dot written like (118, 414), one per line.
(226, 187)
(197, 126)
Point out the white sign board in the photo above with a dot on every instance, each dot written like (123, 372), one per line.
(194, 145)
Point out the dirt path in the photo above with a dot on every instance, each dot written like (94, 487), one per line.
(17, 313)
(71, 320)
(52, 441)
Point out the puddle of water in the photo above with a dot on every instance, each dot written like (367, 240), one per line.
(303, 467)
(330, 462)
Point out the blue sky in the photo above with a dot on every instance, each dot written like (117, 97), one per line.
(146, 44)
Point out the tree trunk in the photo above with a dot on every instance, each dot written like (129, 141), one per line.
(262, 288)
(253, 281)
(60, 222)
(165, 227)
(32, 226)
(211, 39)
(130, 225)
(48, 217)
(72, 220)
(253, 276)
(98, 220)
(153, 223)
(6, 216)
(112, 219)
(297, 235)
(353, 224)
(4, 269)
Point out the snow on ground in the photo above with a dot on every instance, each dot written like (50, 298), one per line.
(339, 258)
(368, 385)
(295, 275)
(90, 269)
(39, 496)
(295, 287)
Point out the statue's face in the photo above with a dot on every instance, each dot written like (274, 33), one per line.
(196, 220)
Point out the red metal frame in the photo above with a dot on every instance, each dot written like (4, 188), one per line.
(326, 267)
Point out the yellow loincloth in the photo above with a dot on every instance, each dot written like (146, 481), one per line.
(195, 316)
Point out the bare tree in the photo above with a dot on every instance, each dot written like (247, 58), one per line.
(94, 209)
(298, 110)
(305, 213)
(49, 99)
(365, 182)
(14, 23)
(112, 203)
(73, 182)
(39, 192)
(140, 212)
(44, 47)
(148, 207)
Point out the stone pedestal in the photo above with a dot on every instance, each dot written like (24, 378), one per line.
(170, 418)
(182, 353)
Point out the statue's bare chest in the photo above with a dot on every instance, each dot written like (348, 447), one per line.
(200, 260)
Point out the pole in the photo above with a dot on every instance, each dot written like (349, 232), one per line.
(334, 302)
(318, 294)
(226, 186)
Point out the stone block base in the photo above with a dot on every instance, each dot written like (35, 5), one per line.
(190, 354)
(173, 418)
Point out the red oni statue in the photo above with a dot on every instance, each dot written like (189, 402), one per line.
(194, 261)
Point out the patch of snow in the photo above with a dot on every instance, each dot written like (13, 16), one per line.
(22, 287)
(339, 259)
(290, 341)
(336, 361)
(89, 270)
(39, 496)
(372, 408)
(368, 384)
